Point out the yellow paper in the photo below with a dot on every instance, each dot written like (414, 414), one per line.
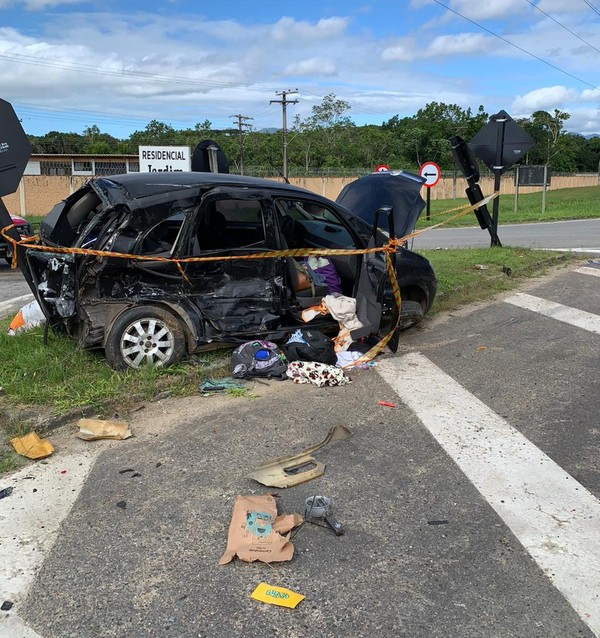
(93, 429)
(32, 446)
(277, 596)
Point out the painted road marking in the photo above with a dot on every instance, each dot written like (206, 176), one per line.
(554, 517)
(8, 306)
(566, 314)
(29, 523)
(587, 270)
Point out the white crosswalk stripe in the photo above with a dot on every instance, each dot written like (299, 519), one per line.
(566, 314)
(554, 517)
(587, 270)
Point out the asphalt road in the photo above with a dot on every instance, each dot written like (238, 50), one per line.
(468, 539)
(569, 235)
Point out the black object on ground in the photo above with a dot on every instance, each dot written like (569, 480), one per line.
(442, 522)
(7, 491)
(6, 605)
(122, 504)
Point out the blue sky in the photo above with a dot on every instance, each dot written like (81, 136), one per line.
(68, 64)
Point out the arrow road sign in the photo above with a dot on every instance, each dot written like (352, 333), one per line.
(431, 172)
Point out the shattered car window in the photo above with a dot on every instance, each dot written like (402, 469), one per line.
(312, 225)
(162, 238)
(231, 223)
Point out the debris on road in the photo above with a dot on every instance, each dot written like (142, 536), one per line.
(219, 386)
(7, 491)
(318, 510)
(277, 596)
(286, 471)
(320, 374)
(32, 447)
(258, 359)
(256, 531)
(122, 504)
(388, 404)
(7, 605)
(30, 316)
(94, 429)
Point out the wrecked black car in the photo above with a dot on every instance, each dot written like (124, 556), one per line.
(154, 311)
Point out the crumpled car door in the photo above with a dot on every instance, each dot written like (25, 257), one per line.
(236, 297)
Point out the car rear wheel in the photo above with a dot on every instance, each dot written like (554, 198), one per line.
(145, 335)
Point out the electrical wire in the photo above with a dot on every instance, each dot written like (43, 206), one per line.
(560, 24)
(592, 7)
(516, 46)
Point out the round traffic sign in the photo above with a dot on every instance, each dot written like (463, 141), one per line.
(382, 168)
(431, 172)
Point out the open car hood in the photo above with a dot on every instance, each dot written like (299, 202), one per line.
(400, 190)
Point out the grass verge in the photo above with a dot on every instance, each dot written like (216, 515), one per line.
(475, 274)
(561, 204)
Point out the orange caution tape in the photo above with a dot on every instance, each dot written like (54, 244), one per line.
(387, 249)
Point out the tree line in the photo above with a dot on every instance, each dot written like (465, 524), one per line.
(328, 140)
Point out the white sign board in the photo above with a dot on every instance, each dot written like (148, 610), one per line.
(165, 159)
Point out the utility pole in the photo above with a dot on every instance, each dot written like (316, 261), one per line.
(241, 122)
(284, 102)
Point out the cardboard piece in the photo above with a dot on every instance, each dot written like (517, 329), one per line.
(93, 429)
(256, 532)
(277, 596)
(32, 447)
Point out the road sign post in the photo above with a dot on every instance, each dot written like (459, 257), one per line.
(431, 172)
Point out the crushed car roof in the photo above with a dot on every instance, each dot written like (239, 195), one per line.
(138, 185)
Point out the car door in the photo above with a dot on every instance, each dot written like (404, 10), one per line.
(236, 297)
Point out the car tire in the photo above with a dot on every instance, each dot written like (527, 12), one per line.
(145, 335)
(411, 313)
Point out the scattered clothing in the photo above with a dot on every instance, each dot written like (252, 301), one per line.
(319, 374)
(341, 308)
(325, 269)
(219, 386)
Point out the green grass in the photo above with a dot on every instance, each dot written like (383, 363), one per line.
(474, 274)
(561, 204)
(61, 376)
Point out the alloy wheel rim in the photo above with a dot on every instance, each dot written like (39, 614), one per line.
(146, 341)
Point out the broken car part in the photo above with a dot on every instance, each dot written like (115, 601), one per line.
(286, 471)
(319, 508)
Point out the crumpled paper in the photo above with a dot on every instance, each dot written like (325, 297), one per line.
(256, 531)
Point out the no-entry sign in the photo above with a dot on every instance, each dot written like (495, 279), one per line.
(431, 172)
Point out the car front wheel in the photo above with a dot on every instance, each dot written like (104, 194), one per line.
(145, 335)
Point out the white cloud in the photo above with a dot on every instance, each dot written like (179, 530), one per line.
(290, 30)
(311, 66)
(590, 95)
(403, 50)
(549, 97)
(488, 9)
(459, 44)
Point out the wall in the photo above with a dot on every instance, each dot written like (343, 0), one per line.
(37, 194)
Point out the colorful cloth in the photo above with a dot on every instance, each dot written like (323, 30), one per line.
(320, 374)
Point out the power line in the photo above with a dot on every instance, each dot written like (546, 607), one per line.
(592, 7)
(88, 68)
(560, 24)
(516, 46)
